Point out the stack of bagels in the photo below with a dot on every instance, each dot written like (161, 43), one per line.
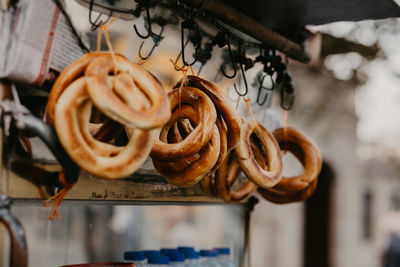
(192, 133)
(130, 98)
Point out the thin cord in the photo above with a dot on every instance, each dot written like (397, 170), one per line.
(107, 37)
(99, 35)
(248, 105)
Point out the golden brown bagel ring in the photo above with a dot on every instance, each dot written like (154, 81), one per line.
(299, 187)
(73, 108)
(201, 134)
(185, 127)
(115, 99)
(181, 129)
(306, 151)
(229, 115)
(226, 176)
(187, 173)
(103, 134)
(66, 77)
(261, 177)
(282, 197)
(106, 131)
(207, 183)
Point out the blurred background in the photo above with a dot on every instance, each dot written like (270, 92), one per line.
(347, 101)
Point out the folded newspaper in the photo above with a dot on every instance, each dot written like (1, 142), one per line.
(36, 42)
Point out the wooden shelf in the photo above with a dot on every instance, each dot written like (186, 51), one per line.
(144, 187)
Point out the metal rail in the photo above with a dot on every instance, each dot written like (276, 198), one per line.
(247, 25)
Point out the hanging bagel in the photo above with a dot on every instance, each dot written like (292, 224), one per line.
(189, 171)
(66, 77)
(226, 176)
(283, 197)
(72, 116)
(258, 175)
(297, 188)
(102, 131)
(201, 134)
(207, 184)
(229, 115)
(181, 129)
(115, 99)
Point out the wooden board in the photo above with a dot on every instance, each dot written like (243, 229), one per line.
(141, 187)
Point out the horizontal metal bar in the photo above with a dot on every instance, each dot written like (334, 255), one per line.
(247, 25)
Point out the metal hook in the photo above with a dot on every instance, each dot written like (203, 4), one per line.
(191, 25)
(245, 83)
(179, 55)
(97, 22)
(287, 93)
(148, 20)
(156, 41)
(262, 83)
(261, 88)
(232, 62)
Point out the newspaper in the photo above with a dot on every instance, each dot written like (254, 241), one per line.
(36, 42)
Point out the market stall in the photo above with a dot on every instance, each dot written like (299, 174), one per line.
(84, 124)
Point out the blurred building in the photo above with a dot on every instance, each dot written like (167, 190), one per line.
(350, 218)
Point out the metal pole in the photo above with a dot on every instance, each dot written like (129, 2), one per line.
(247, 25)
(249, 207)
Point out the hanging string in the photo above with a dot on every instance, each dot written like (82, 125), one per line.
(248, 105)
(99, 35)
(191, 70)
(108, 41)
(238, 101)
(184, 71)
(55, 201)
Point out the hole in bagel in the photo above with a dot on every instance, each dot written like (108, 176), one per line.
(258, 151)
(240, 179)
(112, 73)
(180, 130)
(97, 116)
(102, 128)
(113, 154)
(292, 165)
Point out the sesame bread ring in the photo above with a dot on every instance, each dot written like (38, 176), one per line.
(229, 115)
(226, 176)
(66, 77)
(72, 113)
(201, 134)
(282, 197)
(115, 100)
(189, 171)
(181, 129)
(297, 188)
(251, 168)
